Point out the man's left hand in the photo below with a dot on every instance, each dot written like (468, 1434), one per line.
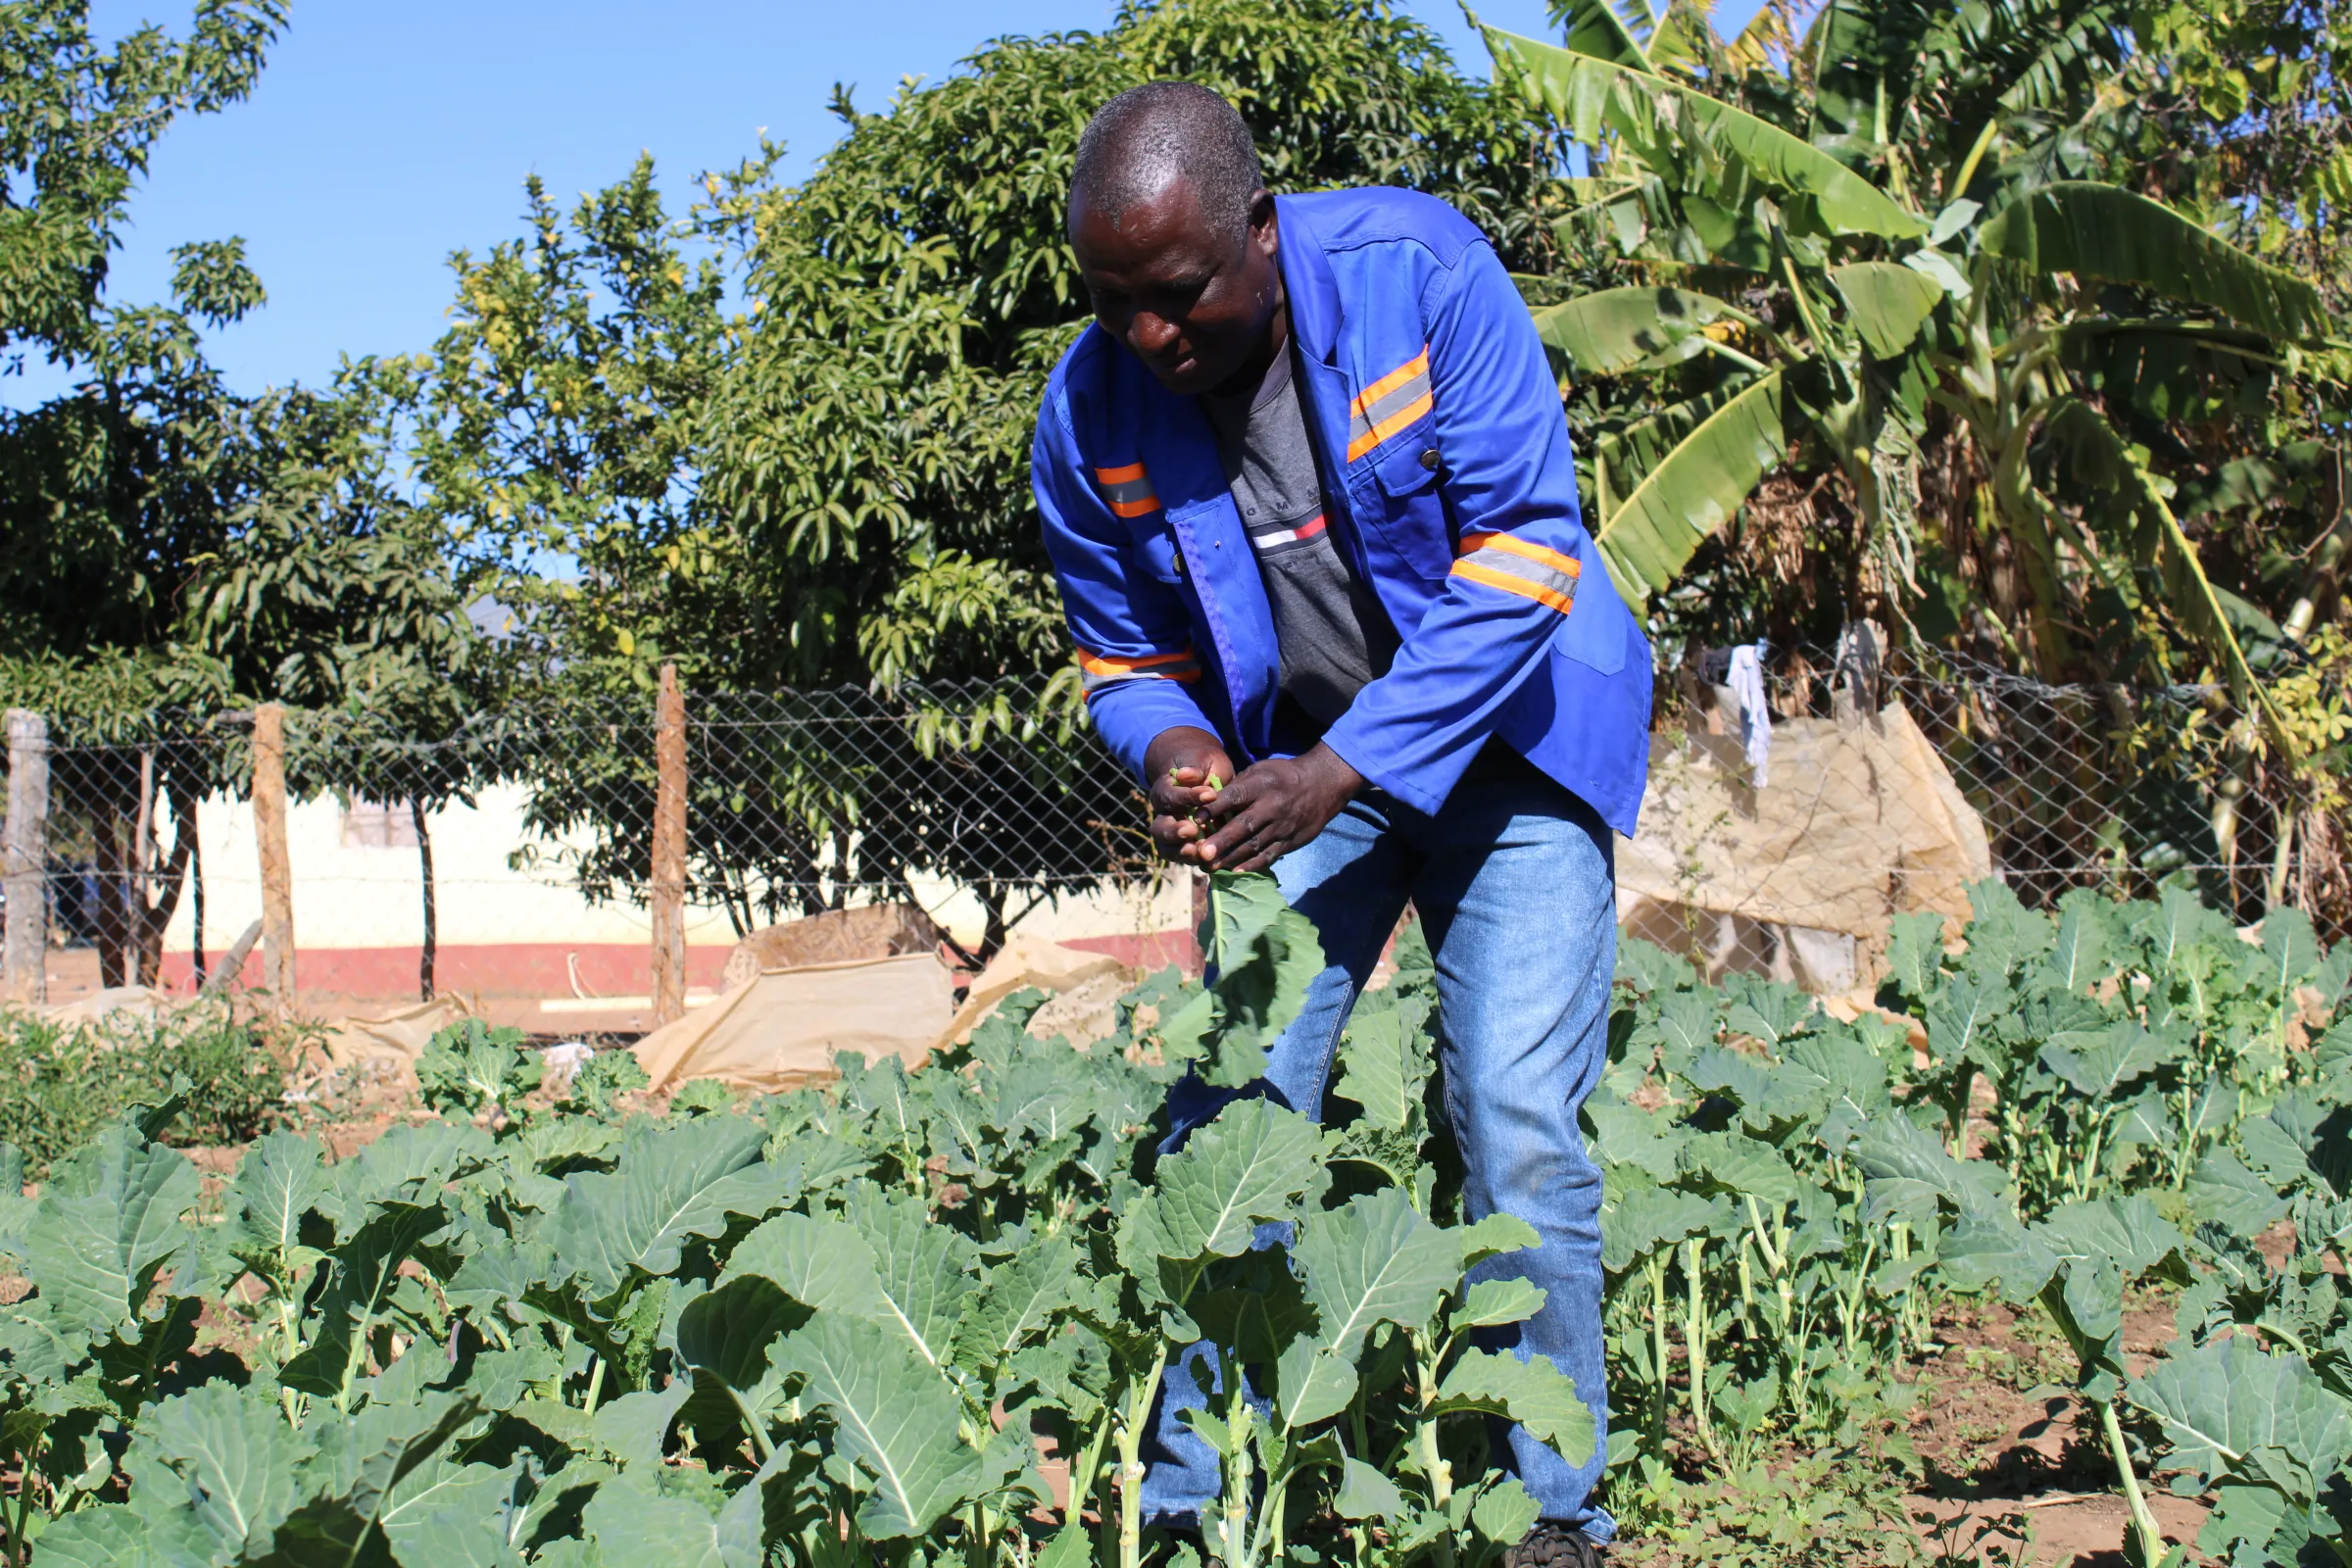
(1274, 807)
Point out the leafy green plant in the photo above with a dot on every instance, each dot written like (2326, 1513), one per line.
(60, 1082)
(833, 1326)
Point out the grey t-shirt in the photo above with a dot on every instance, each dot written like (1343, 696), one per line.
(1333, 633)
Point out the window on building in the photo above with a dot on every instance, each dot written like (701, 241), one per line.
(374, 825)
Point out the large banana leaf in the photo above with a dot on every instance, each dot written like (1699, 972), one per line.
(1889, 304)
(1866, 54)
(2105, 232)
(1589, 94)
(1594, 28)
(1649, 536)
(1619, 330)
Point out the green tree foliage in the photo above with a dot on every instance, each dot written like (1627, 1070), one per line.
(1907, 243)
(112, 493)
(164, 543)
(555, 431)
(832, 485)
(109, 493)
(336, 593)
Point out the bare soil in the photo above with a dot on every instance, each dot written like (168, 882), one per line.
(2001, 1437)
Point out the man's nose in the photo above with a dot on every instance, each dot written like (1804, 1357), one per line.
(1152, 335)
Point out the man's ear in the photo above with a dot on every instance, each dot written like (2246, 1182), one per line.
(1262, 230)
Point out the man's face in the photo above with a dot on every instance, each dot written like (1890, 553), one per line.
(1193, 300)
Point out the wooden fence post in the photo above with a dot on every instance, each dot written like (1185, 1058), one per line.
(667, 892)
(25, 860)
(270, 832)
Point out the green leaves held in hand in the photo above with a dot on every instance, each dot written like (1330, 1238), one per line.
(1263, 953)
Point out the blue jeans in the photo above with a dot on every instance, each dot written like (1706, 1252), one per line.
(1515, 883)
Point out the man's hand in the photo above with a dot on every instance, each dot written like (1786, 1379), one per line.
(1187, 767)
(1273, 809)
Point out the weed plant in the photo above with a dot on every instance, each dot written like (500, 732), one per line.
(61, 1083)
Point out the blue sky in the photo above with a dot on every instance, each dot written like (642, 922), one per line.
(383, 137)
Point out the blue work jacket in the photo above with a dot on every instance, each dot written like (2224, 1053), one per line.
(1442, 444)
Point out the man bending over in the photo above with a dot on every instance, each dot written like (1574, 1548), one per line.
(1306, 486)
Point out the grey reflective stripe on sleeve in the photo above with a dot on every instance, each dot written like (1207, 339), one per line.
(1393, 408)
(1127, 490)
(1535, 572)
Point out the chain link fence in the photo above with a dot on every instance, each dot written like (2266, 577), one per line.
(522, 845)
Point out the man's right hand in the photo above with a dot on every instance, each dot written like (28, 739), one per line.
(1186, 767)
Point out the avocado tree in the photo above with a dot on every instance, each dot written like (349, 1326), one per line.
(113, 492)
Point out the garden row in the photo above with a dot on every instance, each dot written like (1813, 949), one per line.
(841, 1325)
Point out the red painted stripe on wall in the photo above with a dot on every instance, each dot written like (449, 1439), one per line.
(488, 969)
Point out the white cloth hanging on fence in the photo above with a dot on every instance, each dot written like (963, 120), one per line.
(1746, 680)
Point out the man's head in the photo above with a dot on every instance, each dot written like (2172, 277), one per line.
(1175, 234)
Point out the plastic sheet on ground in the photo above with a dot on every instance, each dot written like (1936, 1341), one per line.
(397, 1039)
(1859, 822)
(138, 1001)
(781, 1028)
(1087, 987)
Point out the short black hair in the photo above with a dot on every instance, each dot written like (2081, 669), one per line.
(1149, 137)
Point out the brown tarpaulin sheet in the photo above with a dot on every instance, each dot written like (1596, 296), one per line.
(836, 936)
(398, 1037)
(781, 1028)
(1032, 963)
(1860, 821)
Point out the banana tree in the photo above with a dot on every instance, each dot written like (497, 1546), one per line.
(1834, 252)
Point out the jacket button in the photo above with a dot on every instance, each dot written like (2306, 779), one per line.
(1429, 459)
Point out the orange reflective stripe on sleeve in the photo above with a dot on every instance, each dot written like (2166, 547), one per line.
(1389, 405)
(1097, 670)
(1126, 490)
(1517, 566)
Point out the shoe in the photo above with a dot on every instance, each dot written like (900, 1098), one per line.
(1550, 1545)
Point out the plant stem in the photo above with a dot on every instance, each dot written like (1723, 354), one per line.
(596, 1382)
(19, 1549)
(1694, 1341)
(2151, 1538)
(1433, 1465)
(1976, 156)
(1237, 1471)
(1130, 1463)
(1657, 1336)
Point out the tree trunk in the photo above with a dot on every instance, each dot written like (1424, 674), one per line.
(196, 901)
(114, 898)
(432, 919)
(151, 919)
(25, 859)
(993, 898)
